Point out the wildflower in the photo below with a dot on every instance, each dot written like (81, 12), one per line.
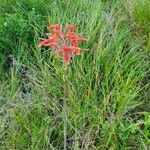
(66, 44)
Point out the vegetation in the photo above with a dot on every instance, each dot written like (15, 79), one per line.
(108, 95)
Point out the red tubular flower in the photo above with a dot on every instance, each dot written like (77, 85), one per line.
(82, 40)
(46, 41)
(66, 58)
(58, 27)
(60, 41)
(52, 27)
(53, 45)
(70, 35)
(67, 52)
(75, 49)
(74, 41)
(70, 27)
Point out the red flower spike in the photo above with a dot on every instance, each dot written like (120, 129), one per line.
(66, 45)
(70, 27)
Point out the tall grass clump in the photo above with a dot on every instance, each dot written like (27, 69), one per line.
(139, 14)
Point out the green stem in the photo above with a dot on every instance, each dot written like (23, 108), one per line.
(65, 106)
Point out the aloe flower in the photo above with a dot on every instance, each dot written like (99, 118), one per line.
(65, 44)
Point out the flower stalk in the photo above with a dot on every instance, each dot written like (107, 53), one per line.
(65, 105)
(66, 44)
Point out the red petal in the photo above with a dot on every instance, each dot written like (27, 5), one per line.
(58, 27)
(59, 51)
(43, 43)
(77, 51)
(74, 42)
(46, 41)
(53, 45)
(70, 34)
(50, 27)
(82, 39)
(66, 58)
(70, 27)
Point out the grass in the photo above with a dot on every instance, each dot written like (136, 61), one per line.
(108, 85)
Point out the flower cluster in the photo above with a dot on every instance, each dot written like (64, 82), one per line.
(65, 44)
